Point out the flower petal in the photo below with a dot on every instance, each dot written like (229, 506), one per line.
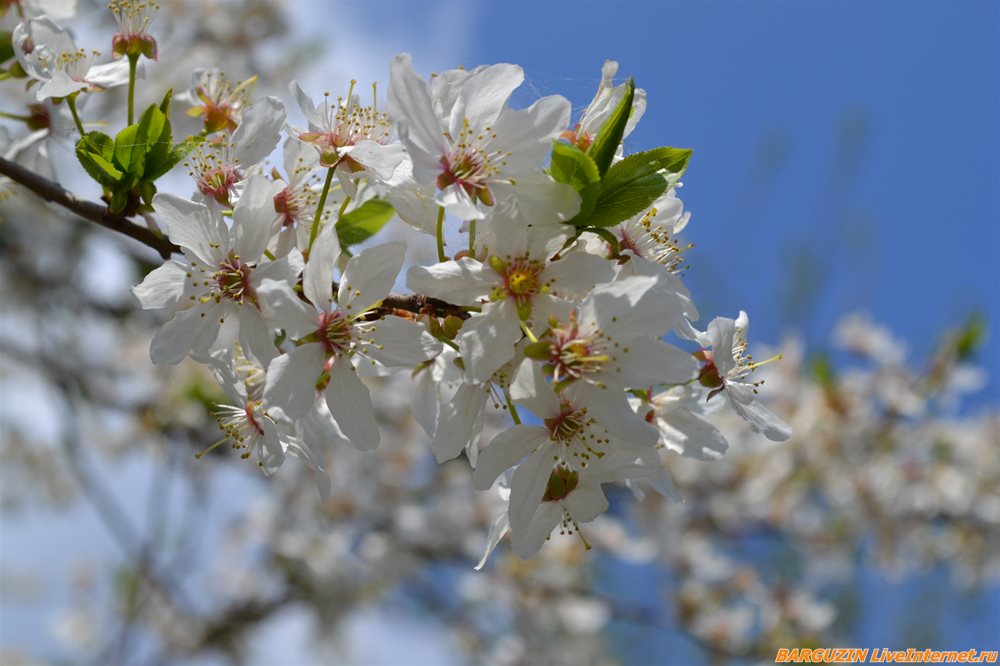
(753, 411)
(505, 450)
(527, 486)
(259, 131)
(254, 217)
(351, 404)
(643, 363)
(586, 502)
(280, 304)
(369, 276)
(401, 343)
(527, 541)
(487, 340)
(192, 226)
(291, 379)
(161, 287)
(317, 278)
(498, 528)
(194, 329)
(460, 282)
(256, 336)
(460, 423)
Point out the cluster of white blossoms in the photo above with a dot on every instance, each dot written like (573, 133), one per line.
(555, 309)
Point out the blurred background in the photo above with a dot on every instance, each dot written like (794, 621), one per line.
(844, 191)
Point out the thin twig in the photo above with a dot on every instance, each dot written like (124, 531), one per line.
(88, 210)
(99, 214)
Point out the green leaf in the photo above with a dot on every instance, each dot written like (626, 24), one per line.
(147, 190)
(634, 183)
(363, 222)
(165, 104)
(159, 159)
(971, 337)
(96, 151)
(135, 141)
(603, 149)
(610, 238)
(572, 166)
(119, 199)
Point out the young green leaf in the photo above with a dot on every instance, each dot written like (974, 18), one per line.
(159, 158)
(605, 145)
(363, 222)
(96, 151)
(572, 166)
(135, 141)
(165, 103)
(634, 183)
(119, 199)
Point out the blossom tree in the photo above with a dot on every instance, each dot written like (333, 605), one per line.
(555, 346)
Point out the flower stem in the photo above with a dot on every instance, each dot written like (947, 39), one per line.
(510, 406)
(527, 332)
(14, 116)
(472, 239)
(319, 209)
(133, 59)
(343, 207)
(440, 235)
(71, 103)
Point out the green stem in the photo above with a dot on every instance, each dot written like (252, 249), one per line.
(14, 116)
(527, 332)
(319, 209)
(133, 59)
(343, 207)
(71, 103)
(440, 235)
(472, 239)
(510, 407)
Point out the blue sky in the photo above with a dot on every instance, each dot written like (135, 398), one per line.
(846, 154)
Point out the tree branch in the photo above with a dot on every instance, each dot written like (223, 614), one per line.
(88, 210)
(99, 214)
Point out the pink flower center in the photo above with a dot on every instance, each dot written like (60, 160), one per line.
(218, 182)
(287, 204)
(233, 280)
(335, 333)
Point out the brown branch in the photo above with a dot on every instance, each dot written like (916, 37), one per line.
(99, 214)
(88, 210)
